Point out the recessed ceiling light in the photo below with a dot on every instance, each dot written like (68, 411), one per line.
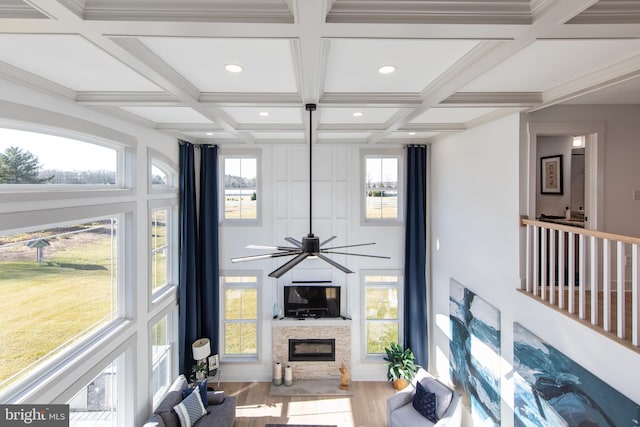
(233, 68)
(263, 114)
(412, 133)
(357, 114)
(387, 69)
(209, 133)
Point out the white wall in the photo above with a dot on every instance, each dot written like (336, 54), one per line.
(621, 154)
(476, 201)
(336, 211)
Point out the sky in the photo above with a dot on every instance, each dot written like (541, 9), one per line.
(56, 152)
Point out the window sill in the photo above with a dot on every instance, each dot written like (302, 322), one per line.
(239, 359)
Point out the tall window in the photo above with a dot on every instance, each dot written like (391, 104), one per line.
(97, 403)
(34, 158)
(382, 302)
(160, 359)
(382, 188)
(240, 308)
(240, 188)
(58, 284)
(159, 247)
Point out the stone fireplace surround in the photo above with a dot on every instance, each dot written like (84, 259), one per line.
(338, 329)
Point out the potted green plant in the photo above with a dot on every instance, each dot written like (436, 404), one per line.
(401, 365)
(200, 370)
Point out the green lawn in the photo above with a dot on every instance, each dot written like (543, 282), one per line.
(382, 207)
(44, 307)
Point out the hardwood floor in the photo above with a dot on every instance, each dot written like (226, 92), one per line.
(365, 408)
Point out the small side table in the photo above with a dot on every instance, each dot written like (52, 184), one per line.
(212, 378)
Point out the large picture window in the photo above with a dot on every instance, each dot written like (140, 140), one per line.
(33, 158)
(58, 284)
(382, 189)
(382, 302)
(240, 188)
(240, 308)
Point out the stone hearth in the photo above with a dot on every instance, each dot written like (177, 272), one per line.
(340, 330)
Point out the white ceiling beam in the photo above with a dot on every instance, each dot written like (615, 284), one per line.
(489, 55)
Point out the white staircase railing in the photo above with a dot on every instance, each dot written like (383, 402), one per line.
(589, 274)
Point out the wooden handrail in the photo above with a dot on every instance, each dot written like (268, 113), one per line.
(599, 234)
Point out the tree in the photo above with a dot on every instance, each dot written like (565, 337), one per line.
(19, 166)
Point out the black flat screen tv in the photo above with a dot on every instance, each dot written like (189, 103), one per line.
(311, 301)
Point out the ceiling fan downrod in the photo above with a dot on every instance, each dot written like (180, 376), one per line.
(310, 108)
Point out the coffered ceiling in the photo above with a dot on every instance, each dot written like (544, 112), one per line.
(162, 63)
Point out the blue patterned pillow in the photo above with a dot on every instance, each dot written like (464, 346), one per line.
(426, 403)
(202, 388)
(190, 409)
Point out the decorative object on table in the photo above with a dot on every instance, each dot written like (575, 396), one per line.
(277, 373)
(310, 246)
(214, 364)
(401, 366)
(288, 375)
(201, 349)
(344, 377)
(551, 175)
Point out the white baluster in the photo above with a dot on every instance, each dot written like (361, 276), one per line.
(530, 255)
(593, 247)
(582, 292)
(572, 272)
(544, 271)
(621, 279)
(561, 267)
(606, 285)
(635, 295)
(536, 259)
(552, 266)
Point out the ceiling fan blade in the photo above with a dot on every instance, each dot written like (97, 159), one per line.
(288, 265)
(327, 241)
(349, 253)
(294, 241)
(264, 256)
(350, 246)
(273, 248)
(333, 263)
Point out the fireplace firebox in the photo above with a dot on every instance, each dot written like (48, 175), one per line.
(312, 350)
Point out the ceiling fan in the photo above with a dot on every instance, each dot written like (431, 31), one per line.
(310, 246)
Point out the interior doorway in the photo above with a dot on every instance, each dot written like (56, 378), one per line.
(582, 171)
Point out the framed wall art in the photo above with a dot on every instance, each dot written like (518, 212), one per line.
(551, 174)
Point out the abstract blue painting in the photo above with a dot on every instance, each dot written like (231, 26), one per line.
(553, 390)
(475, 353)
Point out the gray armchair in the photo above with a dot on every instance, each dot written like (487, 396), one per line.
(400, 411)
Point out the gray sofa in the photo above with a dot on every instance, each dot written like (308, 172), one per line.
(401, 413)
(221, 409)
